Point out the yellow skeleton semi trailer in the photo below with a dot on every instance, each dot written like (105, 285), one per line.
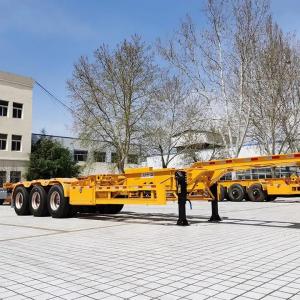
(63, 197)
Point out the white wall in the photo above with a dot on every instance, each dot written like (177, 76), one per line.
(15, 88)
(180, 161)
(90, 167)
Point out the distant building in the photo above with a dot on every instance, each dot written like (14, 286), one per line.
(15, 125)
(95, 159)
(206, 144)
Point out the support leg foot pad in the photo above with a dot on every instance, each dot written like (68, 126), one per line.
(215, 219)
(182, 222)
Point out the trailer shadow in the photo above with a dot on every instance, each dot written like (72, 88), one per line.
(170, 219)
(284, 200)
(292, 200)
(142, 218)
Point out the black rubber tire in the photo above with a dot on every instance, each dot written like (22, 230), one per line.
(236, 192)
(64, 209)
(109, 208)
(21, 204)
(42, 209)
(270, 198)
(87, 209)
(256, 193)
(73, 211)
(1, 201)
(223, 193)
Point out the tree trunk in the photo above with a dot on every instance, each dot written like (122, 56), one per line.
(121, 166)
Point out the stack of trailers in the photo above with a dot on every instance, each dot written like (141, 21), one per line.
(108, 193)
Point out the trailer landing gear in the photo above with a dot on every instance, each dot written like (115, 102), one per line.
(215, 205)
(182, 197)
(215, 212)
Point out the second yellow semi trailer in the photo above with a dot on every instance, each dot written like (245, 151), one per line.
(108, 193)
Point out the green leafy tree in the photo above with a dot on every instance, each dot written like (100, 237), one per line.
(49, 159)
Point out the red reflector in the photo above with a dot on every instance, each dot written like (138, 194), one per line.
(275, 156)
(297, 155)
(212, 163)
(254, 158)
(229, 161)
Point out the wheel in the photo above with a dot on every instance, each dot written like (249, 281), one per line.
(223, 194)
(270, 198)
(236, 192)
(1, 201)
(38, 201)
(255, 193)
(73, 212)
(21, 201)
(87, 209)
(58, 204)
(110, 208)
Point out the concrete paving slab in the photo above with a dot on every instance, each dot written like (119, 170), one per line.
(141, 254)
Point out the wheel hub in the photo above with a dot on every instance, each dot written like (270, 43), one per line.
(235, 194)
(19, 200)
(36, 200)
(55, 201)
(255, 193)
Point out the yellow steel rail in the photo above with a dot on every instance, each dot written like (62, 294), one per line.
(156, 186)
(160, 183)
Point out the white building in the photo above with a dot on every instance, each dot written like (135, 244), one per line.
(206, 143)
(97, 158)
(15, 125)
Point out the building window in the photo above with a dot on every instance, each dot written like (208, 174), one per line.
(80, 155)
(114, 157)
(16, 142)
(3, 141)
(3, 108)
(99, 156)
(133, 159)
(17, 110)
(2, 178)
(15, 176)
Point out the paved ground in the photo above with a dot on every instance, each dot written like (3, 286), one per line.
(253, 254)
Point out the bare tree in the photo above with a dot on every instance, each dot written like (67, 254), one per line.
(204, 144)
(112, 94)
(276, 113)
(173, 112)
(217, 61)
